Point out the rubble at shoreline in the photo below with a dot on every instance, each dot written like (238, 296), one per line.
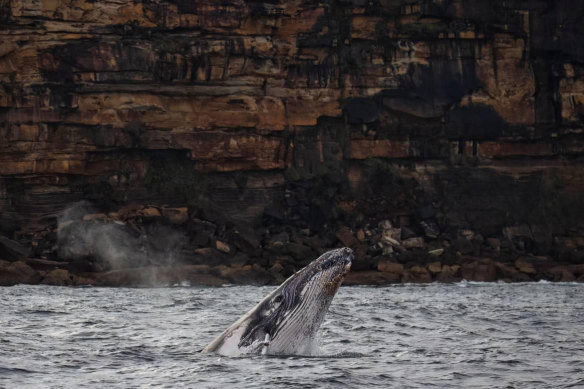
(211, 250)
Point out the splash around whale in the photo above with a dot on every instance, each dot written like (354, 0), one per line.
(287, 320)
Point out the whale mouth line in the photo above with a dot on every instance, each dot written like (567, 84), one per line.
(348, 267)
(334, 284)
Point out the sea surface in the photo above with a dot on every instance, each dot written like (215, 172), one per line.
(465, 335)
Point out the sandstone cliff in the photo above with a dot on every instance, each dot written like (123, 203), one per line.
(306, 124)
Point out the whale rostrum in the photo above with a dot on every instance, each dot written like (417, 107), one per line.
(286, 321)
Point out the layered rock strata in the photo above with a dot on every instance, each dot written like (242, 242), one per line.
(312, 124)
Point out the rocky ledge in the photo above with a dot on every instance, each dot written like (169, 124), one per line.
(472, 269)
(148, 246)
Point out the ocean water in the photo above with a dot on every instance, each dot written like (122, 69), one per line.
(466, 335)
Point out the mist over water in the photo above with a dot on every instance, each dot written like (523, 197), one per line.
(108, 244)
(407, 336)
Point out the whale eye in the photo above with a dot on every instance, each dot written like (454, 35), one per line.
(278, 299)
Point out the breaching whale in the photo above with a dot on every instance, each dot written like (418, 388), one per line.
(286, 321)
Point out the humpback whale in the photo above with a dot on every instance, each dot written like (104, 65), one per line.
(286, 321)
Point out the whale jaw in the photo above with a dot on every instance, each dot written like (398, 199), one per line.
(287, 320)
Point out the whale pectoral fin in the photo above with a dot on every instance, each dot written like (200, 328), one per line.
(265, 344)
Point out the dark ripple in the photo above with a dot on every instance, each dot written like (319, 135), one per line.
(14, 370)
(42, 312)
(406, 336)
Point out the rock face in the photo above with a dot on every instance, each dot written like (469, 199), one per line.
(459, 122)
(17, 273)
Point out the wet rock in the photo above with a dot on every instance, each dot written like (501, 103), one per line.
(299, 238)
(390, 236)
(200, 232)
(147, 276)
(282, 259)
(246, 275)
(274, 213)
(46, 243)
(195, 269)
(85, 264)
(569, 242)
(466, 233)
(213, 213)
(299, 252)
(577, 270)
(388, 266)
(59, 277)
(436, 252)
(431, 229)
(17, 273)
(129, 211)
(464, 246)
(477, 241)
(449, 273)
(318, 242)
(289, 269)
(371, 278)
(12, 250)
(177, 216)
(468, 271)
(196, 275)
(561, 273)
(44, 264)
(407, 233)
(525, 266)
(521, 231)
(510, 273)
(277, 271)
(208, 256)
(418, 275)
(360, 235)
(520, 236)
(205, 280)
(360, 250)
(389, 241)
(150, 212)
(346, 237)
(568, 276)
(385, 225)
(435, 267)
(113, 278)
(222, 246)
(172, 275)
(412, 243)
(495, 244)
(426, 212)
(96, 216)
(387, 250)
(84, 281)
(238, 259)
(276, 268)
(363, 263)
(120, 277)
(244, 237)
(278, 240)
(482, 271)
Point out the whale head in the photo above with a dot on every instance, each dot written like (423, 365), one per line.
(286, 321)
